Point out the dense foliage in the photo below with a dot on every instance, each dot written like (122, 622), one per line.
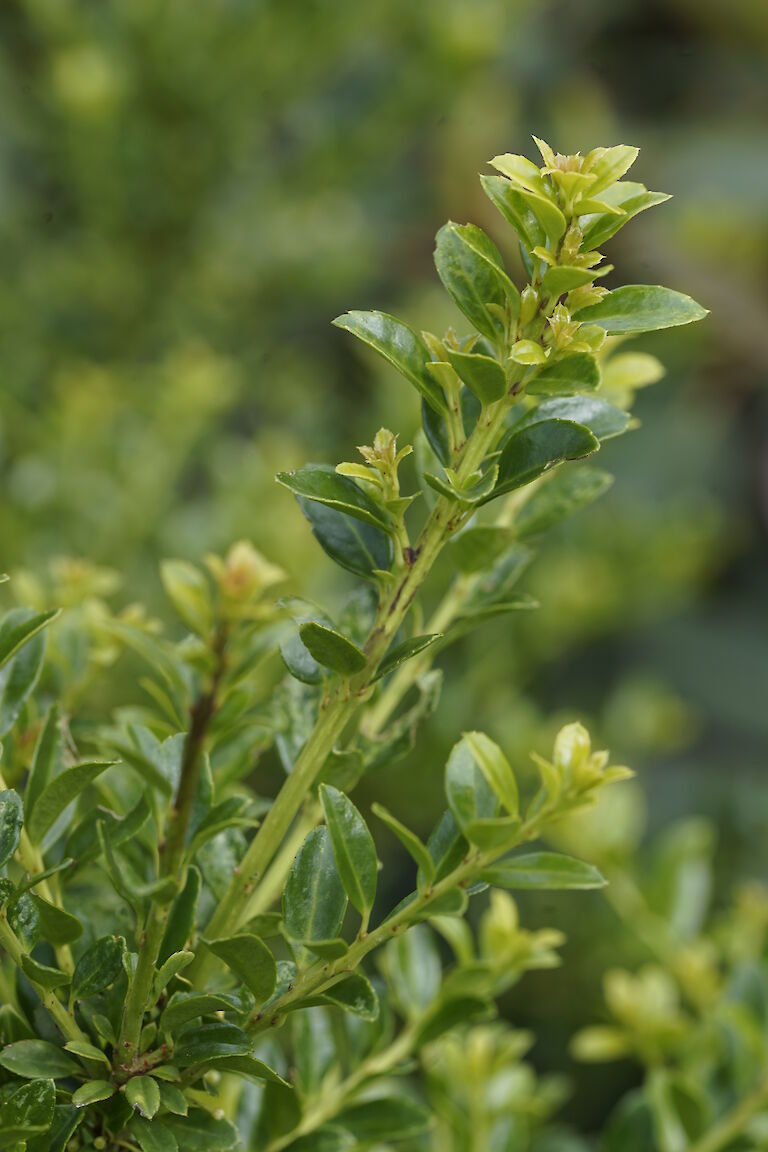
(190, 964)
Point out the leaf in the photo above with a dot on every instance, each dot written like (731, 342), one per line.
(515, 210)
(402, 652)
(603, 420)
(353, 848)
(27, 1111)
(641, 308)
(451, 1013)
(56, 1138)
(92, 1092)
(469, 795)
(37, 1059)
(11, 821)
(384, 1119)
(20, 625)
(398, 344)
(59, 794)
(472, 272)
(98, 967)
(56, 925)
(496, 769)
(190, 593)
(546, 212)
(632, 199)
(181, 918)
(323, 484)
(202, 1132)
(563, 278)
(44, 759)
(314, 900)
(483, 375)
(578, 372)
(446, 845)
(546, 870)
(174, 1099)
(360, 548)
(608, 165)
(250, 960)
(153, 1136)
(170, 968)
(331, 649)
(24, 919)
(413, 969)
(409, 840)
(185, 1006)
(42, 974)
(355, 994)
(567, 492)
(210, 1041)
(18, 679)
(533, 450)
(143, 1095)
(250, 1068)
(85, 1051)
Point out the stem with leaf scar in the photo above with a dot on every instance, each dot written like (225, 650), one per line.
(172, 855)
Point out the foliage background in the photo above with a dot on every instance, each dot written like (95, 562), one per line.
(188, 197)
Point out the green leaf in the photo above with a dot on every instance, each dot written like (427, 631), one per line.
(210, 1041)
(515, 210)
(250, 960)
(202, 1132)
(314, 900)
(328, 1138)
(18, 679)
(44, 759)
(358, 547)
(173, 1099)
(608, 165)
(482, 375)
(496, 769)
(250, 1068)
(413, 969)
(641, 308)
(450, 1014)
(59, 793)
(170, 968)
(398, 344)
(602, 419)
(153, 1136)
(355, 994)
(11, 821)
(331, 649)
(632, 199)
(296, 657)
(143, 1095)
(27, 1111)
(92, 1092)
(184, 1006)
(37, 1059)
(98, 967)
(472, 271)
(190, 593)
(546, 212)
(42, 974)
(56, 1138)
(409, 840)
(402, 652)
(85, 1051)
(533, 450)
(469, 794)
(20, 625)
(563, 278)
(578, 372)
(323, 484)
(567, 492)
(24, 919)
(547, 870)
(181, 919)
(353, 848)
(384, 1119)
(56, 925)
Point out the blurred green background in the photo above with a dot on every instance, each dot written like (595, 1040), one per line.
(190, 192)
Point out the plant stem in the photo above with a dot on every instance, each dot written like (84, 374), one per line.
(171, 859)
(734, 1122)
(63, 1017)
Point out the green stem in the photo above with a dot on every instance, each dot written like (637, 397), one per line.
(64, 1018)
(734, 1122)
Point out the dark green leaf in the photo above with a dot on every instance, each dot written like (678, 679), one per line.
(11, 820)
(314, 900)
(174, 1099)
(59, 793)
(398, 344)
(26, 1112)
(37, 1059)
(414, 970)
(18, 679)
(354, 994)
(543, 870)
(181, 919)
(153, 1136)
(210, 1041)
(98, 967)
(202, 1132)
(44, 759)
(20, 625)
(56, 925)
(576, 373)
(482, 374)
(353, 848)
(184, 1006)
(92, 1092)
(65, 1122)
(603, 420)
(402, 652)
(143, 1095)
(250, 960)
(331, 649)
(469, 795)
(641, 308)
(472, 271)
(386, 1118)
(358, 547)
(567, 492)
(250, 1068)
(42, 974)
(321, 483)
(533, 450)
(446, 845)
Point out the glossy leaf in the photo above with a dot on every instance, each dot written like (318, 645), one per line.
(250, 960)
(314, 900)
(353, 848)
(59, 793)
(469, 794)
(384, 1119)
(546, 870)
(358, 547)
(154, 1136)
(43, 974)
(92, 1092)
(37, 1059)
(562, 278)
(578, 372)
(402, 652)
(482, 375)
(202, 1132)
(472, 272)
(56, 925)
(210, 1041)
(641, 308)
(533, 450)
(185, 1006)
(143, 1094)
(20, 625)
(98, 967)
(496, 769)
(323, 484)
(355, 994)
(515, 209)
(249, 1068)
(410, 841)
(398, 344)
(27, 1111)
(43, 760)
(18, 679)
(11, 820)
(181, 918)
(632, 199)
(603, 420)
(331, 649)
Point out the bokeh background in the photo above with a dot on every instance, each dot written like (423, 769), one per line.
(190, 192)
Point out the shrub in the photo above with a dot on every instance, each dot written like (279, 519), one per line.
(190, 965)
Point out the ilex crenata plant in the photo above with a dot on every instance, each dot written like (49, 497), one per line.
(189, 965)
